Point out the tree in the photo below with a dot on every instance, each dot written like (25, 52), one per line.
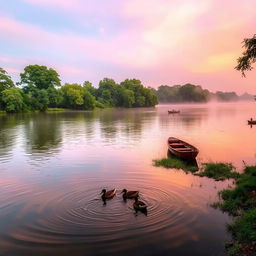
(12, 100)
(40, 76)
(73, 96)
(89, 100)
(106, 92)
(128, 98)
(5, 83)
(76, 96)
(5, 80)
(35, 99)
(249, 55)
(42, 100)
(88, 86)
(55, 97)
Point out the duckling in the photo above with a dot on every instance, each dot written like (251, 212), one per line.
(108, 194)
(129, 194)
(139, 205)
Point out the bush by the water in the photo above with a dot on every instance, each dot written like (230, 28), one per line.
(218, 171)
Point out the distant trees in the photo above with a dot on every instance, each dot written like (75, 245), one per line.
(182, 93)
(191, 93)
(41, 88)
(226, 96)
(249, 55)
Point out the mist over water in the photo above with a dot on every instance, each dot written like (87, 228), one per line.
(53, 167)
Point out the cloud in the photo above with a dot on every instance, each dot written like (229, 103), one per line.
(159, 41)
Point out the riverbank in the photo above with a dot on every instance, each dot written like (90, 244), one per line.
(239, 201)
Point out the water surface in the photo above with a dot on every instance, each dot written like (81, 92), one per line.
(53, 167)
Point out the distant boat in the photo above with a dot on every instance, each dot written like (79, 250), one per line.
(182, 149)
(251, 121)
(173, 111)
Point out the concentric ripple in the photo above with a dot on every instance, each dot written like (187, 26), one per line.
(77, 215)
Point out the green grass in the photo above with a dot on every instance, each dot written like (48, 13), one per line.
(56, 109)
(240, 202)
(175, 163)
(218, 171)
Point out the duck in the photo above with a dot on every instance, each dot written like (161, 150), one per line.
(108, 194)
(139, 205)
(129, 194)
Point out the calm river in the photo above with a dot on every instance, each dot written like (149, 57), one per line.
(53, 167)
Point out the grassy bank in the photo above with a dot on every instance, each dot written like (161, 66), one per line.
(176, 163)
(240, 202)
(218, 171)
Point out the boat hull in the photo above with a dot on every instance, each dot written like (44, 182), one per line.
(173, 111)
(251, 122)
(182, 149)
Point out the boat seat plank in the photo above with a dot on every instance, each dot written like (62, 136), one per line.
(184, 149)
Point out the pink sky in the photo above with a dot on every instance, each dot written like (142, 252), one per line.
(157, 41)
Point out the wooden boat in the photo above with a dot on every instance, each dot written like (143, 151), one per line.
(108, 194)
(139, 205)
(251, 121)
(129, 194)
(182, 149)
(173, 111)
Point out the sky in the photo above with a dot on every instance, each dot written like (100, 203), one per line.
(160, 42)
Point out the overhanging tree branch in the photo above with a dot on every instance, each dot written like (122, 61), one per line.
(249, 55)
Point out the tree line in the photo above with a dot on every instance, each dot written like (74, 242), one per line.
(40, 88)
(191, 93)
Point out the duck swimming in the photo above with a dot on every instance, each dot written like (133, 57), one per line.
(129, 194)
(108, 194)
(139, 205)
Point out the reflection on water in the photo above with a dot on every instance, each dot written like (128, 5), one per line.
(53, 167)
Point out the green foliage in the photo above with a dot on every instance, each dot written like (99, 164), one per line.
(5, 80)
(143, 97)
(55, 96)
(244, 227)
(35, 99)
(77, 97)
(39, 76)
(175, 163)
(240, 201)
(226, 96)
(218, 171)
(182, 93)
(12, 100)
(99, 104)
(72, 95)
(92, 90)
(128, 98)
(249, 55)
(89, 100)
(106, 92)
(40, 91)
